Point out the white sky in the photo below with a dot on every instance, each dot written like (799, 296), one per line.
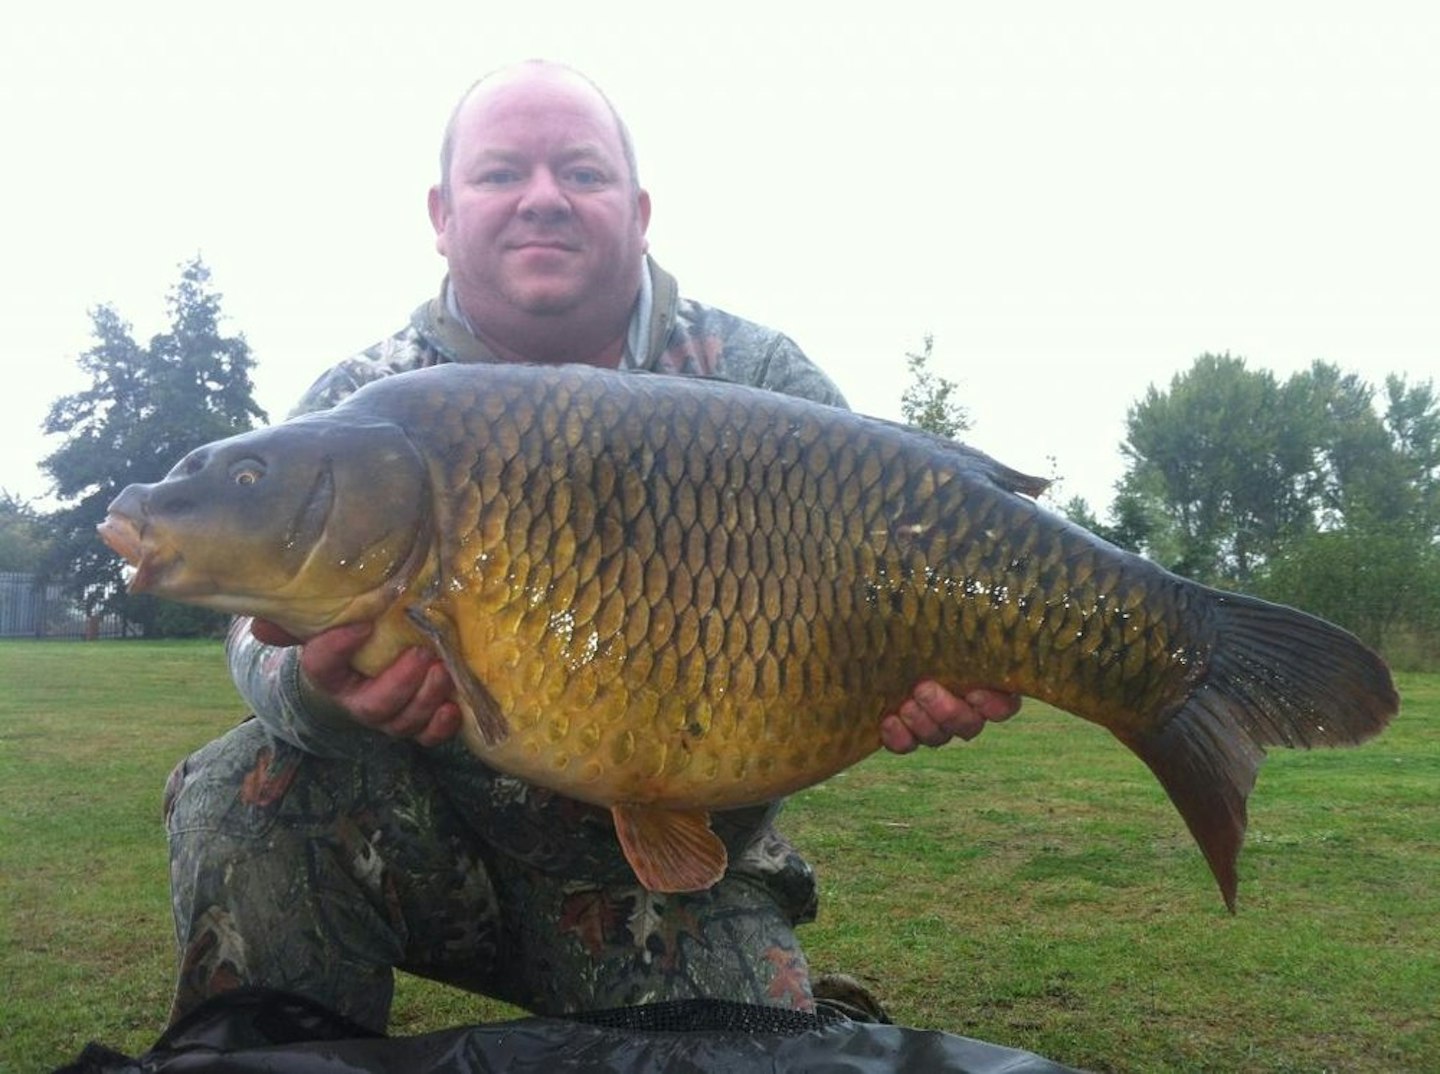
(1076, 199)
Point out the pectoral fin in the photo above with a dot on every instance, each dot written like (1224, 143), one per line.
(670, 850)
(440, 629)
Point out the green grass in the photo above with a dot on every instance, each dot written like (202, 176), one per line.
(1032, 888)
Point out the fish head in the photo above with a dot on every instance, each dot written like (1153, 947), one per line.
(309, 523)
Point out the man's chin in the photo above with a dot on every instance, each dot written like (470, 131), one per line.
(545, 301)
(548, 307)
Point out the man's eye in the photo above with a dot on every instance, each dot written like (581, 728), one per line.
(584, 177)
(499, 176)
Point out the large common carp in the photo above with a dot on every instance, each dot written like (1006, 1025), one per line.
(669, 596)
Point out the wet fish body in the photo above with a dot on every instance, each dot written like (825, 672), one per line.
(668, 595)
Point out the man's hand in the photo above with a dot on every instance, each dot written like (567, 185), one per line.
(412, 698)
(932, 716)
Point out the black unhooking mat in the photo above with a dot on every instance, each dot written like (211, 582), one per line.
(251, 1031)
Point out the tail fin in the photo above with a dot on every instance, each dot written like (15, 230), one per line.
(1277, 677)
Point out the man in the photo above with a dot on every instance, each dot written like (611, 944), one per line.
(344, 831)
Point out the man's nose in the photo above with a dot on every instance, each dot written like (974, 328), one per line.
(543, 196)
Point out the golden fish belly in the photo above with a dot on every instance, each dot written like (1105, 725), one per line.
(613, 729)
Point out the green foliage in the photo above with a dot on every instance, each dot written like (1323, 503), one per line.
(1310, 492)
(1358, 475)
(1412, 416)
(1376, 583)
(145, 409)
(23, 539)
(928, 402)
(1134, 525)
(1223, 465)
(1229, 465)
(1078, 510)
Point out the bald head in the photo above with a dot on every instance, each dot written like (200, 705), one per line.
(539, 216)
(532, 69)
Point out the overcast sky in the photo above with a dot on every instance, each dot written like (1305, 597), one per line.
(1075, 199)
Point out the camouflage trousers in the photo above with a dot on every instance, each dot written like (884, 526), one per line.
(321, 876)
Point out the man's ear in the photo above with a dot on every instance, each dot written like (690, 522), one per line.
(439, 206)
(642, 208)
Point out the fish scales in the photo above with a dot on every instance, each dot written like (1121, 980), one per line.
(903, 641)
(670, 596)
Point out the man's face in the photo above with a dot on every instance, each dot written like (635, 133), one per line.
(542, 216)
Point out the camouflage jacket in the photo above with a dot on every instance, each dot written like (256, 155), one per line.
(668, 334)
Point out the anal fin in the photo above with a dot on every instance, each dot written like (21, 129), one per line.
(670, 850)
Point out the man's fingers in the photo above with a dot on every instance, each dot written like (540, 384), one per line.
(933, 722)
(413, 698)
(414, 717)
(942, 715)
(394, 700)
(932, 716)
(993, 705)
(325, 659)
(896, 737)
(443, 725)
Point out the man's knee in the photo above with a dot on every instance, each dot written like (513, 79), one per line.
(235, 785)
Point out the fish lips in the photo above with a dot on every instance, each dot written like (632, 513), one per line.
(127, 539)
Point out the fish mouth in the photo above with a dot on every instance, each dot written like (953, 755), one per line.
(145, 562)
(123, 537)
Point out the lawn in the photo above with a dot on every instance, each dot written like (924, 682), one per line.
(1033, 888)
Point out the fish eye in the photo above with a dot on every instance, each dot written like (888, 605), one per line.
(247, 471)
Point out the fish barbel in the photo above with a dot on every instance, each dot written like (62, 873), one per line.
(670, 595)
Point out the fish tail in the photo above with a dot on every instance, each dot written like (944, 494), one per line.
(1276, 677)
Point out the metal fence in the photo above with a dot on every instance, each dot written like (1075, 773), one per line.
(29, 609)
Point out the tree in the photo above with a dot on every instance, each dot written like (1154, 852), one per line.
(23, 541)
(1382, 585)
(1412, 418)
(146, 408)
(1135, 523)
(1307, 491)
(1230, 464)
(1358, 479)
(1374, 565)
(1223, 465)
(927, 402)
